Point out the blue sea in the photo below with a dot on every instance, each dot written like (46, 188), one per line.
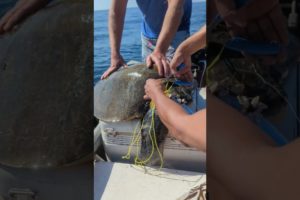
(131, 40)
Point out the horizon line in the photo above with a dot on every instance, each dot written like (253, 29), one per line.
(198, 1)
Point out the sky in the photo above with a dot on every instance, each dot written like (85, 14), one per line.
(104, 4)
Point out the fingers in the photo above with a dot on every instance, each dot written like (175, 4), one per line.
(159, 65)
(4, 20)
(116, 63)
(265, 24)
(166, 68)
(280, 25)
(188, 76)
(15, 18)
(146, 97)
(152, 88)
(176, 61)
(187, 67)
(108, 72)
(257, 35)
(158, 62)
(149, 62)
(21, 10)
(11, 12)
(235, 24)
(18, 12)
(111, 70)
(266, 27)
(270, 27)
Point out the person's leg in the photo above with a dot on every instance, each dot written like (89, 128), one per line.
(148, 45)
(178, 39)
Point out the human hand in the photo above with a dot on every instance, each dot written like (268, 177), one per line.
(153, 87)
(162, 63)
(116, 62)
(19, 12)
(182, 56)
(270, 27)
(266, 24)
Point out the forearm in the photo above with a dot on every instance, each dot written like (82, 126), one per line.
(288, 165)
(116, 23)
(189, 129)
(240, 152)
(168, 110)
(195, 42)
(170, 25)
(245, 161)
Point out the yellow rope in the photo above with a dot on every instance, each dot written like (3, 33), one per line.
(136, 138)
(143, 162)
(215, 60)
(155, 142)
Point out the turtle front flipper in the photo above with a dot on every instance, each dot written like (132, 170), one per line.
(153, 134)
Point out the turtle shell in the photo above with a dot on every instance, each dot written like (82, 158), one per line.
(120, 97)
(46, 88)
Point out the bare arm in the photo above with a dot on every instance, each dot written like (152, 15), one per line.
(195, 42)
(19, 12)
(247, 162)
(170, 26)
(116, 24)
(257, 20)
(184, 52)
(171, 23)
(189, 129)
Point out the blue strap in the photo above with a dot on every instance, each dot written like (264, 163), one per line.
(183, 83)
(240, 44)
(267, 127)
(180, 67)
(271, 130)
(254, 48)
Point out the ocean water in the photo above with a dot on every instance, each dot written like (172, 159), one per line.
(131, 40)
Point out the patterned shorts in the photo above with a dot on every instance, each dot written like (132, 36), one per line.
(148, 45)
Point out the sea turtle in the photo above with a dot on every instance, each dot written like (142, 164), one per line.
(120, 98)
(46, 86)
